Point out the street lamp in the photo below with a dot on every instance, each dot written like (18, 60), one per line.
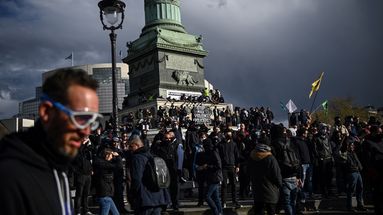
(113, 12)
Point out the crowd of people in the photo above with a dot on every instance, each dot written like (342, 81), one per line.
(287, 165)
(184, 115)
(278, 167)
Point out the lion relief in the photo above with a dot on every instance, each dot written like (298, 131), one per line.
(183, 78)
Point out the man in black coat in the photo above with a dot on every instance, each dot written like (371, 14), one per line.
(213, 168)
(266, 178)
(228, 152)
(82, 168)
(104, 169)
(354, 178)
(289, 163)
(199, 172)
(303, 150)
(118, 178)
(33, 163)
(323, 159)
(167, 150)
(143, 200)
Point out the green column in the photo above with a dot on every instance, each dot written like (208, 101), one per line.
(163, 13)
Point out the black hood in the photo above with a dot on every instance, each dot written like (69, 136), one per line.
(141, 150)
(32, 148)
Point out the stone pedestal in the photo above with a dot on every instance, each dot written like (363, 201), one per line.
(154, 105)
(165, 58)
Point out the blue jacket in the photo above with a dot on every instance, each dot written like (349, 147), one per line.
(140, 195)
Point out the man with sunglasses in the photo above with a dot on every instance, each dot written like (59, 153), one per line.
(33, 163)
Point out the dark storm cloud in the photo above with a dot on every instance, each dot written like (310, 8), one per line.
(260, 51)
(275, 49)
(222, 3)
(37, 36)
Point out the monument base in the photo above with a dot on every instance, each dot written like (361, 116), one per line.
(154, 105)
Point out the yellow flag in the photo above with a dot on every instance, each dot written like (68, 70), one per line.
(315, 85)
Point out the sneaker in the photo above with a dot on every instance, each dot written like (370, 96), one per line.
(183, 180)
(224, 205)
(89, 213)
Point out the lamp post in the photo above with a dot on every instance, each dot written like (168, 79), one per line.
(113, 12)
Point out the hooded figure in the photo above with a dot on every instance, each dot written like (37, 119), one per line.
(33, 163)
(266, 178)
(26, 152)
(213, 167)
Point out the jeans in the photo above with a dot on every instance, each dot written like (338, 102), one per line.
(354, 185)
(289, 194)
(212, 199)
(106, 205)
(307, 177)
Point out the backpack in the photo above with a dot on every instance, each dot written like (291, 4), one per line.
(288, 157)
(156, 174)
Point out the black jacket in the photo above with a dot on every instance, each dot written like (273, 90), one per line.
(322, 148)
(229, 153)
(31, 175)
(191, 138)
(353, 164)
(214, 167)
(95, 139)
(199, 161)
(103, 175)
(168, 152)
(82, 164)
(266, 176)
(287, 171)
(302, 149)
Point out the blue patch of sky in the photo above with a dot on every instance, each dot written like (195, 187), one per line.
(17, 9)
(9, 8)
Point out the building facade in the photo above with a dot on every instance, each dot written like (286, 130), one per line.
(102, 73)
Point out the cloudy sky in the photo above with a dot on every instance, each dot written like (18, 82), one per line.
(261, 52)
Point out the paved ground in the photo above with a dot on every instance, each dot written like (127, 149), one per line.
(332, 206)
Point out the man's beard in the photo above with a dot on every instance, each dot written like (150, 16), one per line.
(68, 155)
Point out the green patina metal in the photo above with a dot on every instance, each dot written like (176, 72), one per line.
(163, 13)
(163, 29)
(165, 58)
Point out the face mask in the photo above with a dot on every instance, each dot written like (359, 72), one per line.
(323, 132)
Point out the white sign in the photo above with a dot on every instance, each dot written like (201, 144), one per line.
(201, 115)
(176, 94)
(291, 107)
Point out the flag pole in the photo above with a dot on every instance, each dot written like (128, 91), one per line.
(312, 105)
(288, 119)
(316, 109)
